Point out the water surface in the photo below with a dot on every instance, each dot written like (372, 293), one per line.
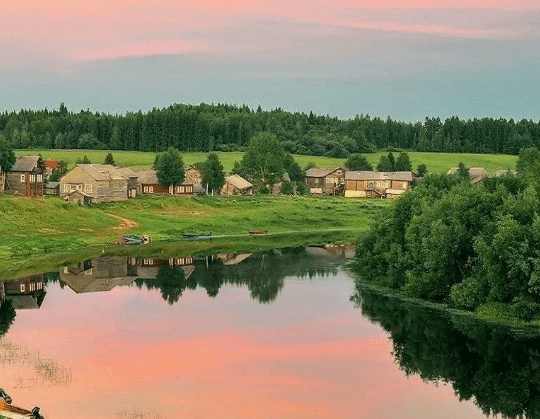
(283, 334)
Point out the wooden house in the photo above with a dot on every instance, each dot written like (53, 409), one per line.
(51, 166)
(148, 183)
(329, 181)
(367, 184)
(79, 197)
(101, 182)
(2, 180)
(476, 174)
(236, 185)
(26, 177)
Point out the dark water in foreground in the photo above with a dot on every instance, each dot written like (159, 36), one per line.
(283, 334)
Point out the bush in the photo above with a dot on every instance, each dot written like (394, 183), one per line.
(525, 309)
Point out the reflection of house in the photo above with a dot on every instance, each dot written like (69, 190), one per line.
(334, 251)
(149, 267)
(101, 274)
(367, 184)
(231, 259)
(26, 292)
(101, 182)
(236, 185)
(26, 177)
(325, 181)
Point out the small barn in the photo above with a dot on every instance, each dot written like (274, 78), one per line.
(476, 174)
(329, 181)
(366, 184)
(52, 188)
(27, 176)
(79, 197)
(236, 185)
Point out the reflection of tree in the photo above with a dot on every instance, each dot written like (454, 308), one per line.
(499, 367)
(263, 274)
(171, 281)
(7, 316)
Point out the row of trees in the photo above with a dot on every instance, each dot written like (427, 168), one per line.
(465, 245)
(223, 127)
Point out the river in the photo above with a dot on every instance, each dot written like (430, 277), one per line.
(283, 334)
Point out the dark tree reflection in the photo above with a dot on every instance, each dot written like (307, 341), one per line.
(497, 367)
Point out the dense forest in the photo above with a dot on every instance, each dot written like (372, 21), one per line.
(471, 246)
(208, 127)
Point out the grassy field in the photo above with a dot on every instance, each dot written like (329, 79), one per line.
(435, 162)
(46, 231)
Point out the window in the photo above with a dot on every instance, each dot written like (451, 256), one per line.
(23, 287)
(23, 179)
(150, 189)
(79, 187)
(33, 178)
(88, 271)
(73, 187)
(66, 188)
(40, 178)
(88, 188)
(146, 189)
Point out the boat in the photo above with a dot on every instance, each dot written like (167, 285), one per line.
(133, 240)
(258, 233)
(197, 235)
(7, 411)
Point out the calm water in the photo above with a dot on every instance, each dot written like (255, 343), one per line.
(278, 335)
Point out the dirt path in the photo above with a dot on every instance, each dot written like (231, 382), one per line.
(126, 222)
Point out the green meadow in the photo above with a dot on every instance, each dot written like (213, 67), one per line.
(42, 232)
(435, 162)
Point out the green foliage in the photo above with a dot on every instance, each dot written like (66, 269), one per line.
(7, 315)
(463, 171)
(403, 163)
(358, 162)
(213, 173)
(109, 159)
(450, 241)
(421, 170)
(264, 159)
(287, 188)
(7, 156)
(84, 160)
(528, 160)
(169, 167)
(387, 163)
(59, 172)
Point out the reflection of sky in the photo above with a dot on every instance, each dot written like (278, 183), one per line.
(308, 354)
(406, 58)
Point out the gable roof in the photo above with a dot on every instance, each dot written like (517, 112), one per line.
(321, 172)
(147, 176)
(366, 175)
(25, 163)
(126, 171)
(52, 164)
(238, 182)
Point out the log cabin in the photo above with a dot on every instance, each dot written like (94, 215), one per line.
(27, 176)
(367, 184)
(329, 181)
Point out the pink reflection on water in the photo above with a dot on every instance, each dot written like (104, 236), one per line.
(130, 353)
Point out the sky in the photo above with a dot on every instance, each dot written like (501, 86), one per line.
(404, 58)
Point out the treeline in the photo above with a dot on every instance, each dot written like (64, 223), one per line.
(224, 127)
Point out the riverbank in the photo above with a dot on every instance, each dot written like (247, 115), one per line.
(42, 232)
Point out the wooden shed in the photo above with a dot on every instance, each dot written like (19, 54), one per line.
(366, 184)
(236, 185)
(329, 181)
(52, 188)
(79, 197)
(26, 177)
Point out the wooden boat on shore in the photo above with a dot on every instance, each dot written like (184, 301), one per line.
(258, 233)
(7, 411)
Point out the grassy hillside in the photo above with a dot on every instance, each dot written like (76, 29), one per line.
(46, 228)
(435, 162)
